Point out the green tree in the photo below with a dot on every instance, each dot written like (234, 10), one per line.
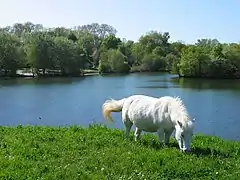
(193, 62)
(138, 53)
(40, 53)
(113, 61)
(68, 56)
(11, 54)
(110, 42)
(69, 50)
(154, 39)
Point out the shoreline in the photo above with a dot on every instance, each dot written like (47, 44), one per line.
(95, 73)
(101, 125)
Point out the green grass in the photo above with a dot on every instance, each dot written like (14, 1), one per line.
(31, 152)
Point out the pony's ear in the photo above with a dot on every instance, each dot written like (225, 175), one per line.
(180, 124)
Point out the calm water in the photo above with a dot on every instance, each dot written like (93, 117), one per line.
(214, 103)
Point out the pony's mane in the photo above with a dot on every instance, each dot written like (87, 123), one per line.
(182, 107)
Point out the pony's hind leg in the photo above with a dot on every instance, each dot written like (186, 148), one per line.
(137, 133)
(128, 126)
(126, 121)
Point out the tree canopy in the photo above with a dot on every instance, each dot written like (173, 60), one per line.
(68, 51)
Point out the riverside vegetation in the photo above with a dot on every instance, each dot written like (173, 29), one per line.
(98, 152)
(69, 51)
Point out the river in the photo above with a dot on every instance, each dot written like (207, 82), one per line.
(66, 101)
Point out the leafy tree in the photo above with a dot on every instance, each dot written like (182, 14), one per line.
(40, 52)
(10, 54)
(192, 62)
(137, 53)
(110, 42)
(113, 61)
(67, 51)
(155, 39)
(72, 37)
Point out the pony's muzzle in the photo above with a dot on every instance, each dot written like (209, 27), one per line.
(186, 150)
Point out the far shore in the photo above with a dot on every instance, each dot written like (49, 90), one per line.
(94, 72)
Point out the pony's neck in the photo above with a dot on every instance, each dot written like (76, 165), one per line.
(181, 112)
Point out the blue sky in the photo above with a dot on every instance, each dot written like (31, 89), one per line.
(185, 20)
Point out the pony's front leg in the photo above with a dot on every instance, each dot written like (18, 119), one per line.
(161, 136)
(167, 136)
(137, 133)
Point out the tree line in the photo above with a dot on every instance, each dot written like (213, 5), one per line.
(69, 51)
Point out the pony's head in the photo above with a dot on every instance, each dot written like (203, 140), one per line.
(184, 124)
(184, 133)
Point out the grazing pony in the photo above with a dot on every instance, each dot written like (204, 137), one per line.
(150, 114)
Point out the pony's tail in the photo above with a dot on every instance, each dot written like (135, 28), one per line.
(110, 106)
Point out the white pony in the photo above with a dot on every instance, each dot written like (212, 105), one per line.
(150, 114)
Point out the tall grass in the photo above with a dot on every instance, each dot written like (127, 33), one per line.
(33, 152)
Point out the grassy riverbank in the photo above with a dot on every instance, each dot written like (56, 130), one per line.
(101, 153)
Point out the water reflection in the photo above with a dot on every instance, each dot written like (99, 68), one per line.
(39, 81)
(207, 83)
(163, 86)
